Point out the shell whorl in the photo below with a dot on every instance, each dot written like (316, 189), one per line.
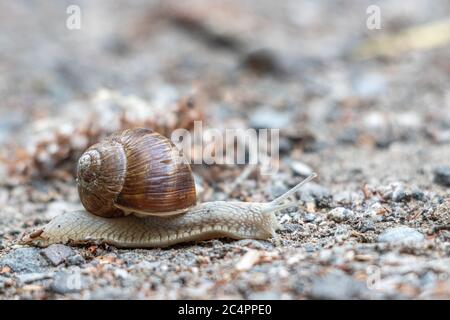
(100, 176)
(87, 164)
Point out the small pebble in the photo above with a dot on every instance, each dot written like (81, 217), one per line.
(267, 117)
(121, 273)
(277, 188)
(309, 247)
(442, 176)
(342, 232)
(309, 217)
(314, 191)
(301, 169)
(348, 136)
(401, 234)
(370, 85)
(290, 227)
(24, 260)
(375, 212)
(147, 265)
(263, 61)
(366, 225)
(110, 294)
(340, 214)
(285, 218)
(345, 197)
(445, 235)
(32, 277)
(265, 295)
(399, 194)
(337, 285)
(65, 282)
(255, 244)
(57, 253)
(75, 260)
(418, 194)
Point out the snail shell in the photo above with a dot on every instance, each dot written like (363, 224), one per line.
(135, 171)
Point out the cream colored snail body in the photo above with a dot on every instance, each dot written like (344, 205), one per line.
(138, 190)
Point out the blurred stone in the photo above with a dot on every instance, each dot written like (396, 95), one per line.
(285, 145)
(375, 211)
(342, 233)
(263, 61)
(267, 117)
(110, 294)
(65, 282)
(370, 85)
(347, 197)
(410, 121)
(265, 295)
(442, 176)
(57, 253)
(2, 284)
(337, 285)
(313, 191)
(309, 217)
(418, 194)
(121, 273)
(340, 214)
(401, 234)
(441, 136)
(32, 277)
(375, 121)
(75, 260)
(285, 218)
(290, 227)
(277, 188)
(348, 136)
(399, 194)
(147, 265)
(301, 169)
(24, 260)
(445, 235)
(366, 225)
(255, 244)
(309, 247)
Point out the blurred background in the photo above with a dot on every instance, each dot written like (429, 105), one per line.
(313, 68)
(367, 108)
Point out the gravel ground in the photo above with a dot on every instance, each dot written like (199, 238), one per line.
(374, 225)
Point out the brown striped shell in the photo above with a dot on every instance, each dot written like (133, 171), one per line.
(135, 171)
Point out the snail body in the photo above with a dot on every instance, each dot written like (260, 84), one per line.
(139, 192)
(208, 220)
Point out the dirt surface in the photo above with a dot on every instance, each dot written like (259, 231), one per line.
(376, 222)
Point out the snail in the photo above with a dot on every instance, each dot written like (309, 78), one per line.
(139, 192)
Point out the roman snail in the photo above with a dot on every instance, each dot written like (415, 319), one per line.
(138, 191)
